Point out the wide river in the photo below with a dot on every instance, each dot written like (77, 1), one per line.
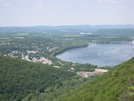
(99, 54)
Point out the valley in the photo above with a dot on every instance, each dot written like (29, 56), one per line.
(31, 71)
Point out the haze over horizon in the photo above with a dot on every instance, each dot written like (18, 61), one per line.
(66, 12)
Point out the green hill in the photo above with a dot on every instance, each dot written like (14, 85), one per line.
(18, 78)
(115, 85)
(27, 81)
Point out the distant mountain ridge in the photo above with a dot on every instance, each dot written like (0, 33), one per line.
(69, 27)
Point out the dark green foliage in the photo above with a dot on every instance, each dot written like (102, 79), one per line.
(84, 67)
(128, 94)
(108, 87)
(18, 78)
(53, 92)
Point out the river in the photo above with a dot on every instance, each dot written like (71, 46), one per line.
(99, 54)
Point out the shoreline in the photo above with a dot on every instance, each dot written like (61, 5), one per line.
(68, 48)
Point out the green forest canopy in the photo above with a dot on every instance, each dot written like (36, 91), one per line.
(18, 78)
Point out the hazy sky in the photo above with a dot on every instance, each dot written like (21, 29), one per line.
(65, 12)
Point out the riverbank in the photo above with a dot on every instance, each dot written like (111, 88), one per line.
(68, 48)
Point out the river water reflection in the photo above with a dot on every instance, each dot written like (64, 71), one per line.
(100, 54)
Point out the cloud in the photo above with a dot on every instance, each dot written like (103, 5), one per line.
(58, 6)
(108, 1)
(104, 1)
(54, 15)
(128, 0)
(117, 7)
(40, 2)
(27, 16)
(7, 4)
(101, 1)
(111, 6)
(38, 5)
(122, 7)
(17, 15)
(114, 2)
(84, 7)
(72, 13)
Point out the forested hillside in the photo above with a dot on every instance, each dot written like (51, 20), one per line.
(18, 78)
(115, 85)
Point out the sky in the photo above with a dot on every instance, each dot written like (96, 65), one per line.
(65, 12)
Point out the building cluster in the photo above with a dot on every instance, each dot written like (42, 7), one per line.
(52, 49)
(26, 57)
(132, 42)
(3, 43)
(31, 51)
(96, 72)
(43, 60)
